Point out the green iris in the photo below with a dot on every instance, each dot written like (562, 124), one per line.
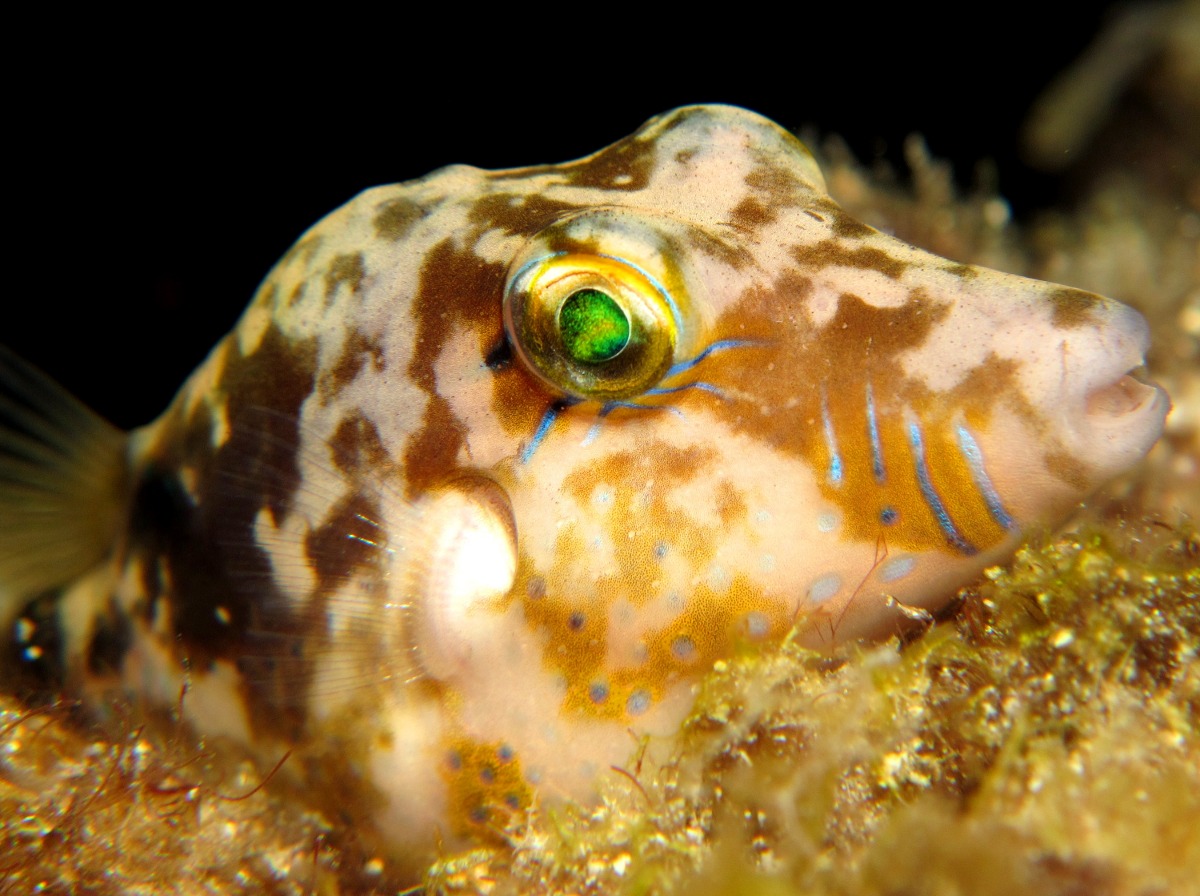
(593, 326)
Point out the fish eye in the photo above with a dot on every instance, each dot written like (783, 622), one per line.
(591, 326)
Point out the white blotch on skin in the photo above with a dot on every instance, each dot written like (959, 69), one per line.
(767, 563)
(897, 567)
(602, 497)
(828, 520)
(718, 578)
(824, 588)
(757, 624)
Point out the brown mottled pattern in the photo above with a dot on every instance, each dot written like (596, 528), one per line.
(778, 186)
(356, 446)
(1073, 307)
(518, 400)
(344, 541)
(730, 251)
(860, 345)
(395, 218)
(458, 290)
(1068, 468)
(111, 638)
(849, 227)
(356, 351)
(518, 212)
(730, 506)
(829, 253)
(302, 251)
(223, 592)
(963, 271)
(751, 213)
(625, 166)
(993, 382)
(346, 269)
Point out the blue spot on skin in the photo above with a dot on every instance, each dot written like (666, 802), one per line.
(660, 550)
(888, 515)
(575, 622)
(638, 702)
(683, 649)
(598, 692)
(505, 753)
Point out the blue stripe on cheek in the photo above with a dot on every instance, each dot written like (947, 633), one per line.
(719, 345)
(974, 457)
(835, 459)
(953, 536)
(873, 432)
(547, 421)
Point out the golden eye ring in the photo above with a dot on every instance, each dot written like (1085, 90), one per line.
(591, 326)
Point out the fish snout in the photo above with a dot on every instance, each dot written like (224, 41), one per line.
(1113, 414)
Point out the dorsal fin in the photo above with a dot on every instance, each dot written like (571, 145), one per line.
(63, 480)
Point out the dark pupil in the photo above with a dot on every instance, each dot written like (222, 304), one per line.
(593, 326)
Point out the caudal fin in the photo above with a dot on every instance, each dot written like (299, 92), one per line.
(63, 476)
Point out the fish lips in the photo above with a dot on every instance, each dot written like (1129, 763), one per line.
(1118, 413)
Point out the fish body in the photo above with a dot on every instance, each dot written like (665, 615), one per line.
(496, 465)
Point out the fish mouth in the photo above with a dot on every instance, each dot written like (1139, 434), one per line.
(1121, 412)
(1131, 394)
(1118, 393)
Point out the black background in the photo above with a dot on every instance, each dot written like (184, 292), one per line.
(151, 186)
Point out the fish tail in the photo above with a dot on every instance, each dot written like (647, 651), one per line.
(63, 486)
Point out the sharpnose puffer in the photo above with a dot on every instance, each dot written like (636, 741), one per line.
(497, 464)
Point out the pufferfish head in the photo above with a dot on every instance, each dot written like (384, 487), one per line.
(675, 400)
(719, 380)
